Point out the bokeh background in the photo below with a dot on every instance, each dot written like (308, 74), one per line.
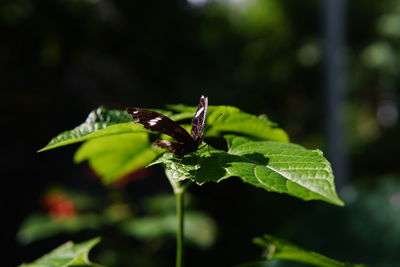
(60, 59)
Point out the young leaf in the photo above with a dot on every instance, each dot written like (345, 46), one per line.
(273, 166)
(68, 254)
(279, 249)
(100, 122)
(114, 156)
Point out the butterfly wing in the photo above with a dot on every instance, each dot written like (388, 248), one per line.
(157, 122)
(199, 120)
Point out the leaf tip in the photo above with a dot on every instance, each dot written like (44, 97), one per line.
(340, 203)
(42, 149)
(337, 201)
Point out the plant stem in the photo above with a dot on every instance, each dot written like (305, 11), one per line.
(179, 188)
(180, 227)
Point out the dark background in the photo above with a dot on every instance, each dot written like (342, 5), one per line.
(61, 59)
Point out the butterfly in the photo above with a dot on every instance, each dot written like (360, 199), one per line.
(184, 142)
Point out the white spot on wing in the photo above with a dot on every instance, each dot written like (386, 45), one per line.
(199, 112)
(154, 121)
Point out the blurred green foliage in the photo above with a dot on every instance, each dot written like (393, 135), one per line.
(152, 223)
(369, 222)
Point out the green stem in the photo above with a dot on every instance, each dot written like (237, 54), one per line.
(179, 191)
(180, 228)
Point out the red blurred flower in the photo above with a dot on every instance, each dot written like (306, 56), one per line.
(59, 205)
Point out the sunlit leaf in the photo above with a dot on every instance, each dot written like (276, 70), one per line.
(100, 122)
(283, 167)
(68, 254)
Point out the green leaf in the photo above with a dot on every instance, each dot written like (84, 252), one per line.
(279, 249)
(100, 122)
(228, 119)
(274, 166)
(68, 254)
(114, 156)
(284, 168)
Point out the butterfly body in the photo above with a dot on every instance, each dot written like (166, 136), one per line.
(184, 142)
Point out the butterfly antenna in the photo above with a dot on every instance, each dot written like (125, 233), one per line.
(206, 128)
(202, 147)
(208, 124)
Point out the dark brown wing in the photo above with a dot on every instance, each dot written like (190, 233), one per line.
(199, 120)
(157, 122)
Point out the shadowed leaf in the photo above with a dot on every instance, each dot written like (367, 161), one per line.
(279, 249)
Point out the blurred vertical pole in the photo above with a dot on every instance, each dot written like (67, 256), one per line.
(333, 17)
